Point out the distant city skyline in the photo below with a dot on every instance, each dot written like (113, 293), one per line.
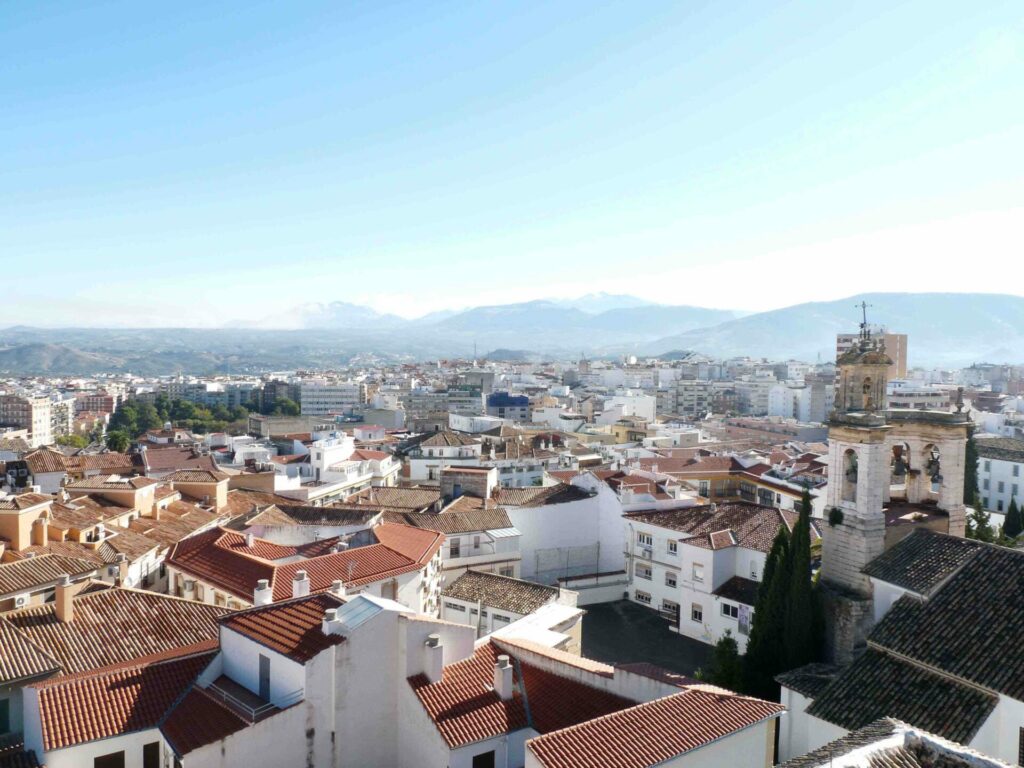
(196, 166)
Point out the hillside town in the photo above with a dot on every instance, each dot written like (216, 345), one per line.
(615, 562)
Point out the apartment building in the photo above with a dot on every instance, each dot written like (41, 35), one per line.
(30, 412)
(319, 398)
(1000, 473)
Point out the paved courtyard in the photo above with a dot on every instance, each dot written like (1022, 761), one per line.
(624, 632)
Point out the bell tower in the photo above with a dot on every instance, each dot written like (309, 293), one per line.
(859, 471)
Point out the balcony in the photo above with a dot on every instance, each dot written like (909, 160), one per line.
(246, 704)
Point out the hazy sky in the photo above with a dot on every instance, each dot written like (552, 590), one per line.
(200, 163)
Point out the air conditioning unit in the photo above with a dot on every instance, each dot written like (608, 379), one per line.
(20, 601)
(647, 553)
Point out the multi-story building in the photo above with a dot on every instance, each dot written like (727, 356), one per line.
(506, 406)
(62, 416)
(1000, 472)
(319, 398)
(700, 566)
(31, 412)
(895, 348)
(465, 399)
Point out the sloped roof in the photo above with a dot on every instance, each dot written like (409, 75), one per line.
(454, 522)
(465, 708)
(20, 659)
(651, 733)
(501, 592)
(922, 560)
(114, 626)
(34, 573)
(879, 685)
(199, 719)
(540, 496)
(750, 525)
(83, 708)
(292, 627)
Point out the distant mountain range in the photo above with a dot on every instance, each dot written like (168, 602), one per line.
(944, 329)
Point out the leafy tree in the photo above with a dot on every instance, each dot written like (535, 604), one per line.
(125, 419)
(979, 525)
(148, 418)
(970, 469)
(118, 441)
(75, 441)
(766, 657)
(726, 670)
(239, 413)
(284, 406)
(799, 625)
(1013, 525)
(163, 407)
(182, 410)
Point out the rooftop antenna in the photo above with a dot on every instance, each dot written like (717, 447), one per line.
(865, 334)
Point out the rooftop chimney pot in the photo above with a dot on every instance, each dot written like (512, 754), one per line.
(300, 584)
(433, 658)
(263, 594)
(64, 599)
(503, 677)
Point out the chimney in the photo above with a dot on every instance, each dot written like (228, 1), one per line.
(263, 594)
(503, 677)
(433, 658)
(330, 619)
(250, 541)
(40, 533)
(122, 568)
(338, 588)
(300, 584)
(64, 596)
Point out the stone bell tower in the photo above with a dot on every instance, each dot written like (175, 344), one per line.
(859, 470)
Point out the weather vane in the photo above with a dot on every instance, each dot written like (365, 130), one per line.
(864, 325)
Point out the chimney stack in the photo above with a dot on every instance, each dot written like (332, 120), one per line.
(433, 658)
(300, 584)
(338, 588)
(40, 533)
(330, 618)
(64, 599)
(122, 568)
(503, 677)
(250, 540)
(263, 594)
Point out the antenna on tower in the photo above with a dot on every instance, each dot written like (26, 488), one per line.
(865, 333)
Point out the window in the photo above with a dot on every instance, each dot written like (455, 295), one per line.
(643, 597)
(670, 579)
(1014, 490)
(988, 466)
(499, 619)
(5, 715)
(667, 606)
(113, 760)
(730, 611)
(455, 607)
(698, 572)
(507, 571)
(485, 760)
(642, 571)
(151, 755)
(673, 547)
(704, 488)
(644, 539)
(984, 484)
(696, 613)
(753, 571)
(999, 505)
(1001, 487)
(454, 547)
(476, 542)
(1016, 470)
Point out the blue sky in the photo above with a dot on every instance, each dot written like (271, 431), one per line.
(201, 164)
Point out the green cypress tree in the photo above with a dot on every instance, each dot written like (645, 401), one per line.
(798, 633)
(1013, 525)
(970, 469)
(765, 655)
(979, 523)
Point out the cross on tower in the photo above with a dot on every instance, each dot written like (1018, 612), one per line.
(864, 333)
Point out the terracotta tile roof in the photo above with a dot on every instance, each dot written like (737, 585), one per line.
(809, 680)
(109, 462)
(111, 483)
(14, 755)
(292, 627)
(197, 720)
(501, 592)
(298, 514)
(654, 672)
(19, 659)
(466, 503)
(35, 573)
(24, 501)
(362, 454)
(195, 476)
(44, 461)
(114, 626)
(711, 526)
(173, 458)
(83, 708)
(397, 497)
(221, 557)
(178, 520)
(540, 496)
(454, 522)
(447, 439)
(465, 708)
(651, 733)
